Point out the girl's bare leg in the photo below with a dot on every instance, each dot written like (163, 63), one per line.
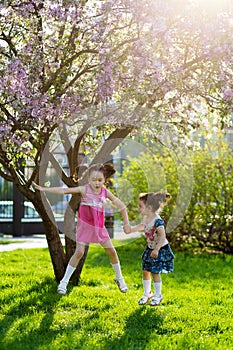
(145, 275)
(158, 290)
(156, 277)
(110, 250)
(146, 282)
(78, 254)
(74, 260)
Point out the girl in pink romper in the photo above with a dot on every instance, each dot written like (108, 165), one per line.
(90, 226)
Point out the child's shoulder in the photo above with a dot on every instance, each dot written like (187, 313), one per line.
(82, 189)
(158, 221)
(105, 192)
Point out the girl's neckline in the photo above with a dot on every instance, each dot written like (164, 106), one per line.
(151, 221)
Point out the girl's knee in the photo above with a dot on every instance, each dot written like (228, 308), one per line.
(79, 252)
(112, 252)
(157, 277)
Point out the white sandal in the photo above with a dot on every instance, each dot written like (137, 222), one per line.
(121, 284)
(156, 300)
(61, 289)
(145, 298)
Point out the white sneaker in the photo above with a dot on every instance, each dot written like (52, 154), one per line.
(145, 298)
(156, 300)
(121, 284)
(61, 289)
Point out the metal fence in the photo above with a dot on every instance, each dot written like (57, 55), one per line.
(18, 217)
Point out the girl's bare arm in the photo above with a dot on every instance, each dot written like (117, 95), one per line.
(60, 190)
(161, 236)
(136, 228)
(119, 204)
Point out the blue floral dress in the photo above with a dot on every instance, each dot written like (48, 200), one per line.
(164, 263)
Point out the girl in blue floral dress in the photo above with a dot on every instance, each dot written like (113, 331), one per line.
(158, 256)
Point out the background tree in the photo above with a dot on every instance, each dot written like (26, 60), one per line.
(116, 65)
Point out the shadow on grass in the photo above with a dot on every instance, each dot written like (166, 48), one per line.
(138, 328)
(129, 255)
(189, 267)
(27, 323)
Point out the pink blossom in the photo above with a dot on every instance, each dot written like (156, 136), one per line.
(228, 94)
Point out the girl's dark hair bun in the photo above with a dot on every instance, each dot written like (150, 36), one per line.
(108, 169)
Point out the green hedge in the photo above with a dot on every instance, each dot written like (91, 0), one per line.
(200, 183)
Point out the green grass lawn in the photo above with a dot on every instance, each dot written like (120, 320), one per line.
(9, 241)
(196, 313)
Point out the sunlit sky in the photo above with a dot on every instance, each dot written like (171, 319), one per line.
(215, 4)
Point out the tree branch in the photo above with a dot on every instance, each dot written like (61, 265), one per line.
(66, 179)
(77, 144)
(66, 144)
(111, 143)
(9, 42)
(5, 176)
(78, 75)
(63, 65)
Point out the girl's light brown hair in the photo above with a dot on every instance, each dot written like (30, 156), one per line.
(107, 170)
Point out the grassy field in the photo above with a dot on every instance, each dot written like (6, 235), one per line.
(4, 241)
(196, 313)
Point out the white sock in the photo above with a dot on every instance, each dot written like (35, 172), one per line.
(158, 288)
(146, 286)
(117, 270)
(69, 271)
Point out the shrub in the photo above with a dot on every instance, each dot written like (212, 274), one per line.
(207, 220)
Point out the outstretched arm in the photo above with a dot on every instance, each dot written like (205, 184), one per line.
(60, 190)
(136, 228)
(119, 204)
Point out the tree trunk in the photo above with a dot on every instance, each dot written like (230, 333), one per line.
(52, 234)
(55, 249)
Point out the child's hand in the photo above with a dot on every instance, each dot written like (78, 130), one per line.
(154, 253)
(127, 228)
(37, 187)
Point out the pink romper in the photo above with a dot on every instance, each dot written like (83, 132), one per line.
(90, 225)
